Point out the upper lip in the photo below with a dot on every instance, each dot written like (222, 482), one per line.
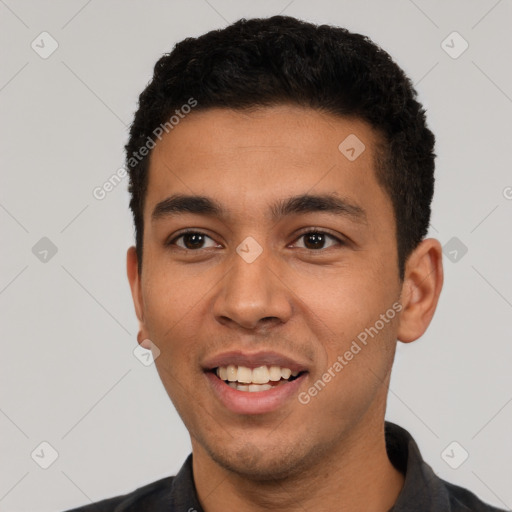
(253, 360)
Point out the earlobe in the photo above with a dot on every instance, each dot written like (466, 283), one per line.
(421, 289)
(143, 341)
(132, 271)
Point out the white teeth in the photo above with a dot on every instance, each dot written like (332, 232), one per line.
(231, 372)
(251, 388)
(258, 387)
(256, 379)
(275, 373)
(260, 375)
(244, 374)
(285, 373)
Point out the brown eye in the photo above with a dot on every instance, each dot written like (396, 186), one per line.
(316, 240)
(191, 240)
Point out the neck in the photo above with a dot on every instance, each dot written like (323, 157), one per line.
(357, 475)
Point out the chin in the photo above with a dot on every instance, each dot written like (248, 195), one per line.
(265, 463)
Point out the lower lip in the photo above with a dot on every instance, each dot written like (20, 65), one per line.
(257, 402)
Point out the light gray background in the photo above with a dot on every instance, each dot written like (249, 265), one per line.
(68, 374)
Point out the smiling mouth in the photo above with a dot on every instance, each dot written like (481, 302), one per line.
(257, 379)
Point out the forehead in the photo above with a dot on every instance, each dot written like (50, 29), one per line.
(249, 160)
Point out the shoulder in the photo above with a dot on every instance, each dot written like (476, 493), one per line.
(423, 489)
(154, 496)
(462, 500)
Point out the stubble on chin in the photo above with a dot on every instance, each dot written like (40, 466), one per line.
(268, 464)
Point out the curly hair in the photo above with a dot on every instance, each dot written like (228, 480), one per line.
(269, 61)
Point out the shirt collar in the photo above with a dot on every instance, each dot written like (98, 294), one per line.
(423, 490)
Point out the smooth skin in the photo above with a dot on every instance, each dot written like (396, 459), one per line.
(305, 300)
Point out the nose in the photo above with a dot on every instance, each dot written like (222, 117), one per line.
(253, 295)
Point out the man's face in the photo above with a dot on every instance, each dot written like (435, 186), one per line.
(213, 298)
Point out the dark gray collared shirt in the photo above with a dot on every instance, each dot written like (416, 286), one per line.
(423, 491)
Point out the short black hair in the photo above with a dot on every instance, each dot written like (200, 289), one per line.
(282, 60)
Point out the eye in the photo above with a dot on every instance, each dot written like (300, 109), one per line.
(192, 240)
(315, 240)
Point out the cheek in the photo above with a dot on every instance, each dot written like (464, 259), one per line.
(354, 377)
(344, 313)
(342, 301)
(170, 295)
(169, 306)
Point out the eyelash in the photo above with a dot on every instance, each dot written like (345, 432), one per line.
(304, 233)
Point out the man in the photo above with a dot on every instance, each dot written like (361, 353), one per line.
(281, 176)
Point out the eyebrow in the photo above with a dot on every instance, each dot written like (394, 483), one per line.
(305, 203)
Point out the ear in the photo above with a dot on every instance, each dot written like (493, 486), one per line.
(423, 281)
(134, 279)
